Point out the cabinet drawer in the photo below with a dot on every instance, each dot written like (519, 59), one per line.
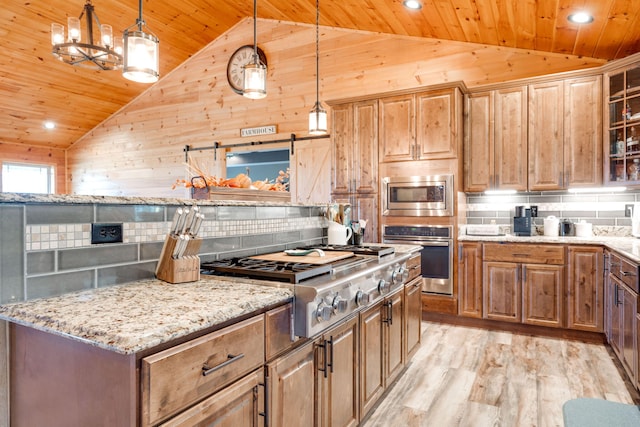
(240, 404)
(523, 253)
(414, 265)
(629, 274)
(179, 376)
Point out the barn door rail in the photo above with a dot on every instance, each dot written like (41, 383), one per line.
(216, 145)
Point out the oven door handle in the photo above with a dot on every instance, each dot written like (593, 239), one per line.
(435, 243)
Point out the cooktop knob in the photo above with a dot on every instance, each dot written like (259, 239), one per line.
(362, 298)
(383, 286)
(324, 312)
(398, 275)
(340, 304)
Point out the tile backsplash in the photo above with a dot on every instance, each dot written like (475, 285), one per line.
(46, 248)
(606, 211)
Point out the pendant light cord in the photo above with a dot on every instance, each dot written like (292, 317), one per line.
(317, 52)
(140, 20)
(255, 29)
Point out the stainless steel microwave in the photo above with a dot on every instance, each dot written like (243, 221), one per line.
(417, 195)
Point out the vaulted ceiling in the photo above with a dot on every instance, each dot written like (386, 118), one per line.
(35, 87)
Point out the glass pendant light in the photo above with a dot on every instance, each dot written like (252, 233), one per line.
(255, 72)
(317, 115)
(141, 53)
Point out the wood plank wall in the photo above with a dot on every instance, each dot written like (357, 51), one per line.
(139, 150)
(31, 154)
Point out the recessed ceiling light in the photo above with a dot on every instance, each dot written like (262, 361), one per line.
(412, 4)
(49, 125)
(580, 18)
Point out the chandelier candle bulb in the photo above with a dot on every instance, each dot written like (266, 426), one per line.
(107, 35)
(74, 29)
(57, 33)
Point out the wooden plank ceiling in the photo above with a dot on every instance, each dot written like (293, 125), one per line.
(35, 87)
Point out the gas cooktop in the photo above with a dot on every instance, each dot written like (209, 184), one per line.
(292, 272)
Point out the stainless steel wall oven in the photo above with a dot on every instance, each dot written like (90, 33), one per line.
(436, 253)
(417, 195)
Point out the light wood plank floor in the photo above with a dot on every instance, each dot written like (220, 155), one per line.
(465, 376)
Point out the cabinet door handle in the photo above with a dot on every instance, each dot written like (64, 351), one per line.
(615, 295)
(330, 342)
(206, 370)
(627, 273)
(385, 314)
(390, 313)
(324, 357)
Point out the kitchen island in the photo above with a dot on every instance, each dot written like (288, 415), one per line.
(106, 356)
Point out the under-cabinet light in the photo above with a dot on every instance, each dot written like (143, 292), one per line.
(597, 190)
(499, 192)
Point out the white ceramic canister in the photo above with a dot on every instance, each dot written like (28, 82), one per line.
(584, 229)
(551, 226)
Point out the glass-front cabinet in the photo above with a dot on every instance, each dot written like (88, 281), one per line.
(623, 124)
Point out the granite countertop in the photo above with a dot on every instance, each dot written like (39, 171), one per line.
(626, 246)
(132, 200)
(140, 315)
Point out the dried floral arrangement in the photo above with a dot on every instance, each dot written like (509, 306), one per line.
(201, 179)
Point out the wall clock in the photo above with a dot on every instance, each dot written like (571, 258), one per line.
(243, 55)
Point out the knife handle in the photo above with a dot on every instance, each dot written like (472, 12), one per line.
(176, 221)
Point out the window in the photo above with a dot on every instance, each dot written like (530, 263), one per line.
(25, 178)
(258, 165)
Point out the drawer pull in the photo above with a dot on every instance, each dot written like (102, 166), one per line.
(206, 370)
(627, 273)
(521, 255)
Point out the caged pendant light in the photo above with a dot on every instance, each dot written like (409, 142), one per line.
(317, 115)
(105, 55)
(141, 52)
(255, 72)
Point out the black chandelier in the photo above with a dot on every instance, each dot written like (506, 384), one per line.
(84, 51)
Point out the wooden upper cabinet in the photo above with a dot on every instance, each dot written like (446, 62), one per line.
(511, 139)
(437, 125)
(365, 119)
(583, 131)
(355, 147)
(546, 136)
(342, 159)
(422, 126)
(397, 128)
(496, 142)
(478, 143)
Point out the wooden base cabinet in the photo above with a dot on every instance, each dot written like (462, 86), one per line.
(317, 384)
(524, 283)
(292, 382)
(339, 376)
(470, 279)
(413, 317)
(585, 288)
(621, 312)
(381, 348)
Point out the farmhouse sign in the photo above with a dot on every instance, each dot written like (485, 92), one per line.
(261, 130)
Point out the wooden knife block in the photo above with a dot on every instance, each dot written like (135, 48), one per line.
(179, 270)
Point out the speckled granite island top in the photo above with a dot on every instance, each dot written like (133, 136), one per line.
(140, 315)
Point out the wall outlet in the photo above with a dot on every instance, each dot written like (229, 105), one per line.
(534, 211)
(106, 233)
(628, 210)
